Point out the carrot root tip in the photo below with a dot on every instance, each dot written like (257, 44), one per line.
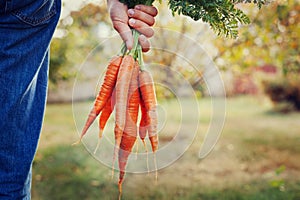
(144, 143)
(120, 190)
(100, 133)
(120, 184)
(98, 143)
(77, 142)
(155, 165)
(112, 173)
(147, 157)
(114, 160)
(121, 178)
(97, 147)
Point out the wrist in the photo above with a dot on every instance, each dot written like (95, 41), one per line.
(111, 2)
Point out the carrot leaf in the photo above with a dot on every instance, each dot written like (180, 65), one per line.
(222, 16)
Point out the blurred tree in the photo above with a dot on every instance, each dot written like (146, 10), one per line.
(272, 38)
(76, 36)
(178, 53)
(58, 60)
(176, 57)
(222, 16)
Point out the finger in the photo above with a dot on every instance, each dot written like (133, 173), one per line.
(151, 10)
(144, 42)
(125, 33)
(139, 15)
(141, 27)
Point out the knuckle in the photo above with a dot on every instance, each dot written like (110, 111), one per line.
(117, 25)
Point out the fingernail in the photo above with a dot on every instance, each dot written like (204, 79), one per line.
(128, 45)
(130, 12)
(131, 21)
(138, 7)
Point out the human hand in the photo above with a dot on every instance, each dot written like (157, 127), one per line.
(140, 18)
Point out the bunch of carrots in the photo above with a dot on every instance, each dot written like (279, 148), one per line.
(129, 89)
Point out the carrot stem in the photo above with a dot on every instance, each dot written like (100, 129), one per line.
(136, 51)
(123, 49)
(133, 51)
(140, 58)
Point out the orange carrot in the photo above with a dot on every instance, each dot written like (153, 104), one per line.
(143, 127)
(133, 103)
(125, 149)
(130, 131)
(144, 122)
(106, 112)
(148, 95)
(122, 87)
(105, 92)
(104, 116)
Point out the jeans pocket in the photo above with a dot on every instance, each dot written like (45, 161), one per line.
(37, 13)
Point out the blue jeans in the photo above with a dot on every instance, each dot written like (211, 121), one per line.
(26, 28)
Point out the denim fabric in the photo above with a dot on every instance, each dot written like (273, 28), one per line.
(26, 28)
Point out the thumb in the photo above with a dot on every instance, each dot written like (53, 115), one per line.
(125, 33)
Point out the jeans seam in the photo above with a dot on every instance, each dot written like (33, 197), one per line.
(7, 6)
(34, 22)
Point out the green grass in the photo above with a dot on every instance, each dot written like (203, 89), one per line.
(69, 173)
(256, 158)
(253, 191)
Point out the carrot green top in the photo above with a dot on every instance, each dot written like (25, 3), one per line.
(222, 15)
(132, 3)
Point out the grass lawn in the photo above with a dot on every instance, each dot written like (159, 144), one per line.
(257, 156)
